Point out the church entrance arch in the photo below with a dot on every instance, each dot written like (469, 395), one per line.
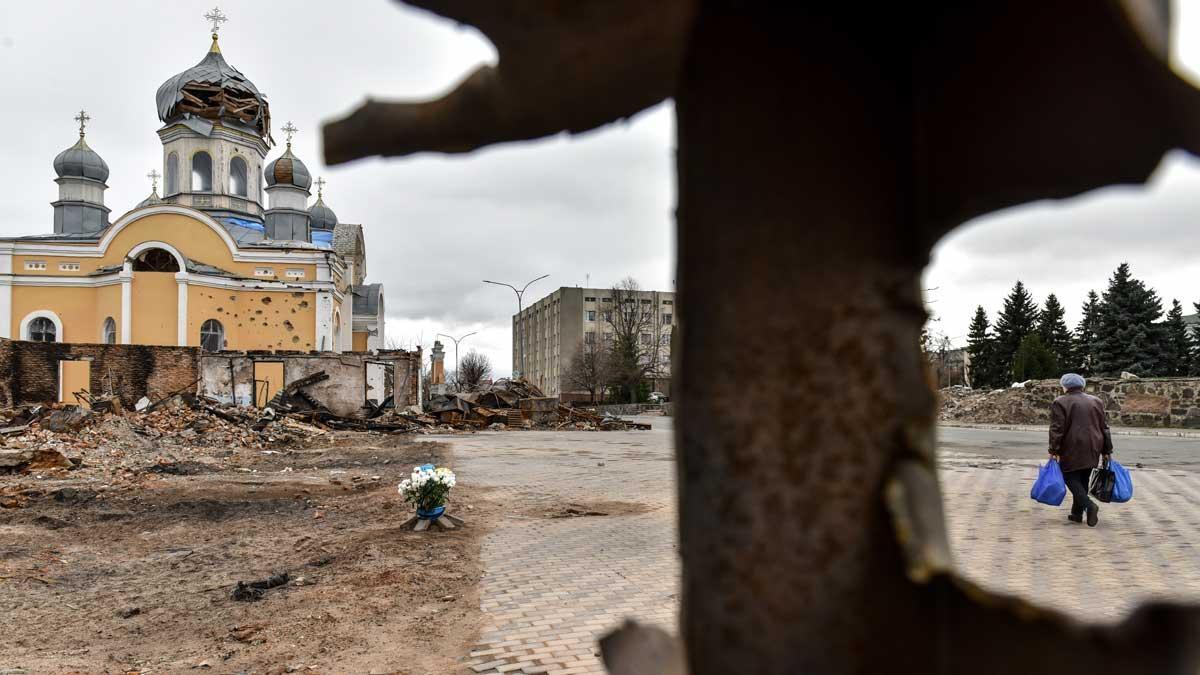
(154, 295)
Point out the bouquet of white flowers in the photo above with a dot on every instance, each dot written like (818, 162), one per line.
(428, 489)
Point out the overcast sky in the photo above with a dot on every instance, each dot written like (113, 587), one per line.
(596, 206)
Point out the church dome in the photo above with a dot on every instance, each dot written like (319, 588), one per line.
(287, 169)
(321, 216)
(80, 161)
(214, 90)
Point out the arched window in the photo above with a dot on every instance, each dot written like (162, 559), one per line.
(42, 329)
(172, 174)
(201, 172)
(110, 331)
(155, 260)
(212, 336)
(237, 177)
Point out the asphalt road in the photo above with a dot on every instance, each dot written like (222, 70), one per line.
(1162, 452)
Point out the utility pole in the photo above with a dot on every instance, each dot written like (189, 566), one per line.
(520, 320)
(457, 380)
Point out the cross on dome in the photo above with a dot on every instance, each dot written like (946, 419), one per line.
(83, 118)
(320, 186)
(216, 18)
(153, 176)
(289, 129)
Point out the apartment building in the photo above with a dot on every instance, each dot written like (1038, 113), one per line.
(556, 327)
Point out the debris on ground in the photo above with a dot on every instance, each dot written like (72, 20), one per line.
(514, 404)
(249, 591)
(1022, 404)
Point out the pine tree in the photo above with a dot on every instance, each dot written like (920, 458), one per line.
(981, 346)
(1129, 337)
(1033, 360)
(1052, 328)
(1195, 337)
(1177, 354)
(1017, 320)
(1087, 336)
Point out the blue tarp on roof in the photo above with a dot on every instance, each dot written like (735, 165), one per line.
(323, 238)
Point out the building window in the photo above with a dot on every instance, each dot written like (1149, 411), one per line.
(264, 272)
(237, 177)
(110, 331)
(591, 315)
(295, 274)
(608, 338)
(588, 299)
(201, 172)
(645, 302)
(212, 336)
(589, 337)
(172, 174)
(155, 260)
(605, 299)
(35, 264)
(666, 319)
(42, 329)
(646, 338)
(68, 267)
(668, 302)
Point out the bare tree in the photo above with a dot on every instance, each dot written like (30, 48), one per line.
(472, 371)
(588, 370)
(637, 348)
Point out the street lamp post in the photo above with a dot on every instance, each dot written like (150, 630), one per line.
(520, 319)
(458, 382)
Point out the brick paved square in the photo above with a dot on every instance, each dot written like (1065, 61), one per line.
(552, 586)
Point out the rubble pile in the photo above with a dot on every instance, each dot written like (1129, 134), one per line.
(513, 404)
(1015, 405)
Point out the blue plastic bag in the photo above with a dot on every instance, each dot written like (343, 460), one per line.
(1049, 488)
(1123, 490)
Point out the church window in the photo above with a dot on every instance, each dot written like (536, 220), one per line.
(110, 331)
(42, 329)
(212, 336)
(201, 172)
(172, 174)
(264, 272)
(155, 260)
(68, 267)
(237, 177)
(295, 274)
(35, 264)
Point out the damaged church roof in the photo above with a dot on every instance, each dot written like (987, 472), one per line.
(214, 90)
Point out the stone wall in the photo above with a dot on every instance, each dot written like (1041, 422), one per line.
(29, 370)
(1148, 402)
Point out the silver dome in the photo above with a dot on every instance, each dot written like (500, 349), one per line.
(213, 70)
(287, 169)
(81, 161)
(322, 217)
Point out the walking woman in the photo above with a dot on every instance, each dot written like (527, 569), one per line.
(1079, 435)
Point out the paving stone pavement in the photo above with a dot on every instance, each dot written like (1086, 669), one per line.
(552, 586)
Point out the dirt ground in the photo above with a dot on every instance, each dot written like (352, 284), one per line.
(132, 573)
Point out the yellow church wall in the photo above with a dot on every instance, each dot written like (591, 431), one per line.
(195, 240)
(359, 342)
(108, 303)
(155, 299)
(255, 319)
(75, 307)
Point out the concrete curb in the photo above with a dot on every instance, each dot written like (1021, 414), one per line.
(1116, 431)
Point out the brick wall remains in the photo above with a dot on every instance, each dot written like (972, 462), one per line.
(229, 376)
(29, 370)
